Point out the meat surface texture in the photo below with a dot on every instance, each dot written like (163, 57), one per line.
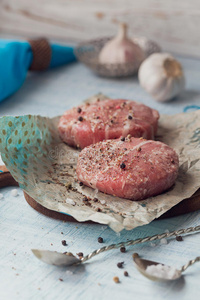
(108, 119)
(134, 169)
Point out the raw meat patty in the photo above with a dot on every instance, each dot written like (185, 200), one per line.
(134, 169)
(108, 119)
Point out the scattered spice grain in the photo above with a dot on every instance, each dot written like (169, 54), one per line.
(80, 119)
(64, 243)
(179, 238)
(100, 239)
(120, 264)
(122, 166)
(123, 249)
(116, 279)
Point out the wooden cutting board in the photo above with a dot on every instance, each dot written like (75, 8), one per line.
(188, 205)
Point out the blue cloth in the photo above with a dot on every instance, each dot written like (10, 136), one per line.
(16, 58)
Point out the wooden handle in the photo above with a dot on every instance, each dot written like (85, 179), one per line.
(188, 205)
(48, 212)
(6, 178)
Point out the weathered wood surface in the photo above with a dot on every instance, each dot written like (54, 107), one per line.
(173, 24)
(24, 277)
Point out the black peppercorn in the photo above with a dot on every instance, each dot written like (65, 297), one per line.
(100, 239)
(123, 249)
(120, 264)
(80, 119)
(179, 238)
(64, 243)
(122, 166)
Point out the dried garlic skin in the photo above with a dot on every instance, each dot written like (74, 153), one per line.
(121, 50)
(162, 76)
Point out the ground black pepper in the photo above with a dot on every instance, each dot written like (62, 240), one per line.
(130, 117)
(80, 183)
(79, 110)
(123, 139)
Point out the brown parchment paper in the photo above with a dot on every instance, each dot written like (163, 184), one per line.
(45, 168)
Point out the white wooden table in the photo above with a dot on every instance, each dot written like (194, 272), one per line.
(22, 276)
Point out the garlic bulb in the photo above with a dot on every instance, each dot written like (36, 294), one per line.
(121, 50)
(162, 76)
(148, 46)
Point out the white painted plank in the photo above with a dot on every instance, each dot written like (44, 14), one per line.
(174, 24)
(22, 228)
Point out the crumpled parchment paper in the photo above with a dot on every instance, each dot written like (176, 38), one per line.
(45, 168)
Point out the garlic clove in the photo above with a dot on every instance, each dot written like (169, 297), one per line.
(121, 50)
(161, 75)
